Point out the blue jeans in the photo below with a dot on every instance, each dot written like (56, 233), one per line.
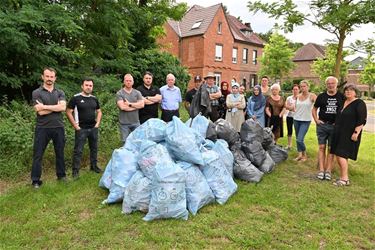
(80, 139)
(301, 128)
(41, 139)
(126, 129)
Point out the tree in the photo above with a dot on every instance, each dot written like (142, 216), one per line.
(277, 58)
(325, 67)
(368, 73)
(293, 45)
(77, 37)
(338, 17)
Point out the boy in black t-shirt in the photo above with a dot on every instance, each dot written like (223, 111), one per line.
(328, 103)
(87, 116)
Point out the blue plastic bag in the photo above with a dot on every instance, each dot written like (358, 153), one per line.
(184, 142)
(137, 194)
(199, 124)
(217, 176)
(152, 130)
(198, 192)
(106, 179)
(124, 165)
(226, 156)
(151, 155)
(168, 195)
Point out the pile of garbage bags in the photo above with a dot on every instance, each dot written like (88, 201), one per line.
(167, 170)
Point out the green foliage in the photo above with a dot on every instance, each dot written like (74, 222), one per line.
(325, 67)
(293, 45)
(78, 38)
(339, 17)
(277, 58)
(368, 74)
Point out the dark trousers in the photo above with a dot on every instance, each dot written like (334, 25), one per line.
(167, 115)
(41, 139)
(214, 114)
(80, 139)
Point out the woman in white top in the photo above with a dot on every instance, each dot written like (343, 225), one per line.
(302, 118)
(291, 106)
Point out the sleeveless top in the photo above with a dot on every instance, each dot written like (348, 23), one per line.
(303, 109)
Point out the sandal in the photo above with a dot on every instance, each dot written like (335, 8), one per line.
(327, 176)
(341, 183)
(298, 158)
(320, 175)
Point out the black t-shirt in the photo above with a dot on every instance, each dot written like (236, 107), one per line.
(190, 95)
(149, 111)
(54, 119)
(329, 106)
(84, 110)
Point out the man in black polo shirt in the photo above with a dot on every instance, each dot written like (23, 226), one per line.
(49, 103)
(86, 121)
(151, 96)
(190, 94)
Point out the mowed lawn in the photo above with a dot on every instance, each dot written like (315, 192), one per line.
(289, 208)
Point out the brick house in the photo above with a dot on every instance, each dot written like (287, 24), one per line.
(304, 58)
(209, 40)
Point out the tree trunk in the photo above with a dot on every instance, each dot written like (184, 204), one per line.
(340, 46)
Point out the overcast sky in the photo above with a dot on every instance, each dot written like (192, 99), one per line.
(260, 23)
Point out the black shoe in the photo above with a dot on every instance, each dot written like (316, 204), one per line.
(37, 184)
(96, 169)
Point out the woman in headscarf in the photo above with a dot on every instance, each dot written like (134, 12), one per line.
(222, 100)
(235, 106)
(256, 105)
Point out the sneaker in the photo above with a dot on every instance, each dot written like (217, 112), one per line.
(320, 175)
(36, 184)
(327, 176)
(96, 169)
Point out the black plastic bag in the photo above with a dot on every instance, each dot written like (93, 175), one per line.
(211, 132)
(267, 138)
(251, 131)
(267, 165)
(243, 169)
(277, 153)
(225, 131)
(254, 152)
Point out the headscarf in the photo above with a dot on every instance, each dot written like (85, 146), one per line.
(224, 92)
(259, 100)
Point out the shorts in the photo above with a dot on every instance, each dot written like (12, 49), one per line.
(324, 133)
(289, 125)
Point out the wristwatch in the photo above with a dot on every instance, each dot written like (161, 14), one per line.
(147, 97)
(130, 105)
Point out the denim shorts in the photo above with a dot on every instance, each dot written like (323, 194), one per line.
(324, 133)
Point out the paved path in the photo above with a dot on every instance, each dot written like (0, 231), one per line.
(370, 125)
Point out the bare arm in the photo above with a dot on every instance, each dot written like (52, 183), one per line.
(98, 118)
(137, 105)
(124, 106)
(153, 99)
(268, 111)
(216, 95)
(69, 114)
(314, 113)
(42, 109)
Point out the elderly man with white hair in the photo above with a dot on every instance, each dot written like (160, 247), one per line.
(275, 109)
(171, 98)
(328, 103)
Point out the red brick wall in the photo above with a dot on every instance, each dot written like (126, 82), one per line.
(169, 42)
(303, 71)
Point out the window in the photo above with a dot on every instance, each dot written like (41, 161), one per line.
(218, 52)
(234, 55)
(197, 24)
(253, 80)
(219, 28)
(255, 56)
(244, 55)
(217, 78)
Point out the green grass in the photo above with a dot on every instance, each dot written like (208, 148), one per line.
(289, 208)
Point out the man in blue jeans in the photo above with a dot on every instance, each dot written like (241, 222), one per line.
(49, 103)
(86, 121)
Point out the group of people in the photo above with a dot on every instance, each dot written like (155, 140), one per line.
(339, 122)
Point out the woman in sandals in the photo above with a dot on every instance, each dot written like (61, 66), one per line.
(347, 131)
(302, 118)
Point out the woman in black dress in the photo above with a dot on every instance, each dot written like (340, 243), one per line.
(347, 132)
